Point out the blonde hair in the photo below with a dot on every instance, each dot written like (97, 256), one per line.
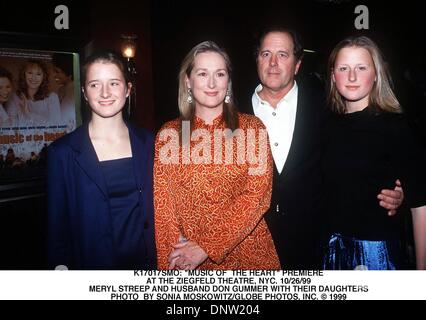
(186, 109)
(381, 95)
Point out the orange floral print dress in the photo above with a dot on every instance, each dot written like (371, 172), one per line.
(218, 204)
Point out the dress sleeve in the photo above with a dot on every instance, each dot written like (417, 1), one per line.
(166, 223)
(54, 107)
(410, 160)
(231, 223)
(13, 110)
(4, 118)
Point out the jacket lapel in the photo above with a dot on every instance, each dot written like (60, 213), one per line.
(296, 141)
(87, 158)
(139, 155)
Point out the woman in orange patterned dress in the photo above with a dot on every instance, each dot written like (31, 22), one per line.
(212, 175)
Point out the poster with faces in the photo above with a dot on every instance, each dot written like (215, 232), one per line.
(38, 97)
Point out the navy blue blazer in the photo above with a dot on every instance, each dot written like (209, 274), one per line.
(79, 215)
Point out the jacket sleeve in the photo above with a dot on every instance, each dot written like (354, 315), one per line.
(237, 219)
(409, 159)
(54, 107)
(149, 204)
(58, 239)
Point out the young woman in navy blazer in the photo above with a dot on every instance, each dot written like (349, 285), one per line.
(100, 211)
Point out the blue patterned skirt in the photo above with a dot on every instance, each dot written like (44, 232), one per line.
(347, 253)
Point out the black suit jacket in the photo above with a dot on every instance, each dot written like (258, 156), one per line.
(294, 217)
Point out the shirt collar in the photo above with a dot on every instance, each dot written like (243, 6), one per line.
(200, 123)
(290, 97)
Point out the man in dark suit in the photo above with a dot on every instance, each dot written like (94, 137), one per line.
(294, 115)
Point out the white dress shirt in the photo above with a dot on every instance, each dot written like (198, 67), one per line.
(279, 122)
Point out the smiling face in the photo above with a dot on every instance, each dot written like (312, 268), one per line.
(5, 89)
(60, 77)
(208, 81)
(106, 89)
(354, 76)
(33, 77)
(276, 63)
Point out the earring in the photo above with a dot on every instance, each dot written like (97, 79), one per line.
(189, 98)
(228, 97)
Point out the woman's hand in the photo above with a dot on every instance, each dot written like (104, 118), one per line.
(187, 255)
(392, 199)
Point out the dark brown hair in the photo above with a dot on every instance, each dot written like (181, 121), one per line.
(105, 57)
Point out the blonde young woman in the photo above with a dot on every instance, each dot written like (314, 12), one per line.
(209, 201)
(368, 146)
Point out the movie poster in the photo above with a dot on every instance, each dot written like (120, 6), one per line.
(37, 106)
